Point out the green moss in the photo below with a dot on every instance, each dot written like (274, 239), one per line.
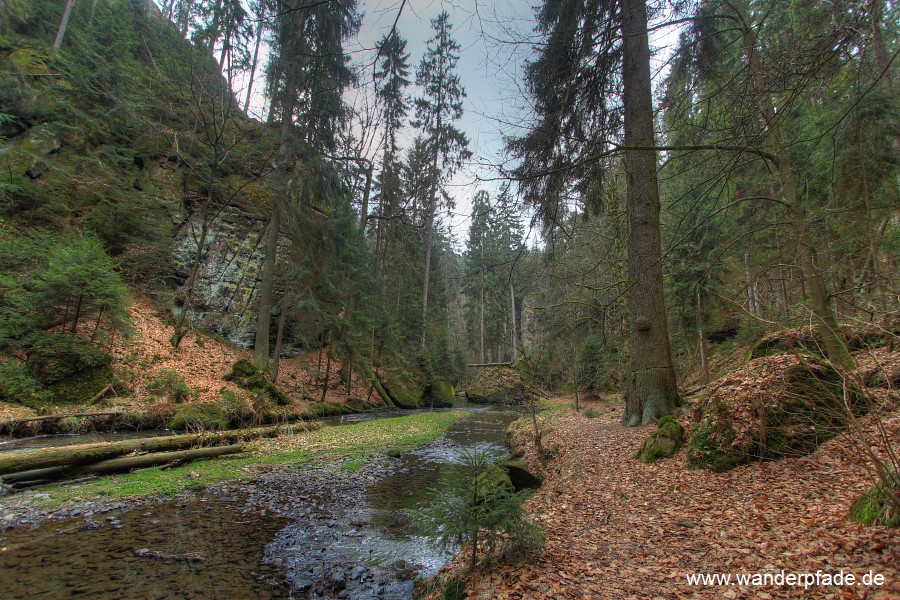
(247, 376)
(403, 392)
(56, 357)
(29, 61)
(438, 393)
(497, 385)
(705, 449)
(353, 444)
(454, 589)
(875, 508)
(198, 416)
(662, 443)
(82, 386)
(18, 386)
(170, 385)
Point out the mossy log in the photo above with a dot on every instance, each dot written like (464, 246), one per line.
(123, 464)
(80, 454)
(13, 424)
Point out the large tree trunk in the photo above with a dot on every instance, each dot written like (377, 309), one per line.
(63, 24)
(429, 231)
(481, 311)
(264, 314)
(650, 387)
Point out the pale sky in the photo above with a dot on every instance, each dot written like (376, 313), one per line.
(495, 39)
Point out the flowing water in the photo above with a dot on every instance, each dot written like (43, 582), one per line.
(318, 531)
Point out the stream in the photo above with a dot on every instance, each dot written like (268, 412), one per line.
(317, 531)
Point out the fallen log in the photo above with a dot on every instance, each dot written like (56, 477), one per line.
(29, 460)
(119, 465)
(11, 423)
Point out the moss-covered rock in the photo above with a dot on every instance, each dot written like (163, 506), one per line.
(875, 508)
(498, 385)
(438, 394)
(403, 392)
(247, 376)
(776, 407)
(662, 443)
(520, 475)
(199, 416)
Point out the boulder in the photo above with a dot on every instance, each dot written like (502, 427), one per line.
(498, 385)
(438, 394)
(520, 475)
(403, 393)
(662, 443)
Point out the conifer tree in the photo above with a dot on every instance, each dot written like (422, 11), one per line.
(436, 110)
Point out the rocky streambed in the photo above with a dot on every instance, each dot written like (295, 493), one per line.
(329, 530)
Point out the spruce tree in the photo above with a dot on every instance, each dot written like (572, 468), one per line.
(436, 110)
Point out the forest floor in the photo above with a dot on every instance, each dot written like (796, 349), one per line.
(201, 361)
(619, 528)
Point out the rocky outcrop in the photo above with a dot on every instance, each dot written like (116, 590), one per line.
(225, 295)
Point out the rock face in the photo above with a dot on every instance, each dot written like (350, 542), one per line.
(225, 295)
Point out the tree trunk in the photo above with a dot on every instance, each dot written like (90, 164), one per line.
(190, 284)
(429, 225)
(256, 44)
(327, 373)
(364, 213)
(121, 465)
(276, 359)
(481, 311)
(77, 314)
(650, 387)
(63, 24)
(27, 460)
(264, 316)
(704, 364)
(822, 312)
(513, 338)
(752, 301)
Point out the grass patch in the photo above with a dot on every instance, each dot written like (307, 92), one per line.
(354, 444)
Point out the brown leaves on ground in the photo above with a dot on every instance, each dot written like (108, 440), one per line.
(201, 360)
(618, 528)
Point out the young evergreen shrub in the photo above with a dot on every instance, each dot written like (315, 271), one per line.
(475, 504)
(591, 368)
(170, 385)
(17, 386)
